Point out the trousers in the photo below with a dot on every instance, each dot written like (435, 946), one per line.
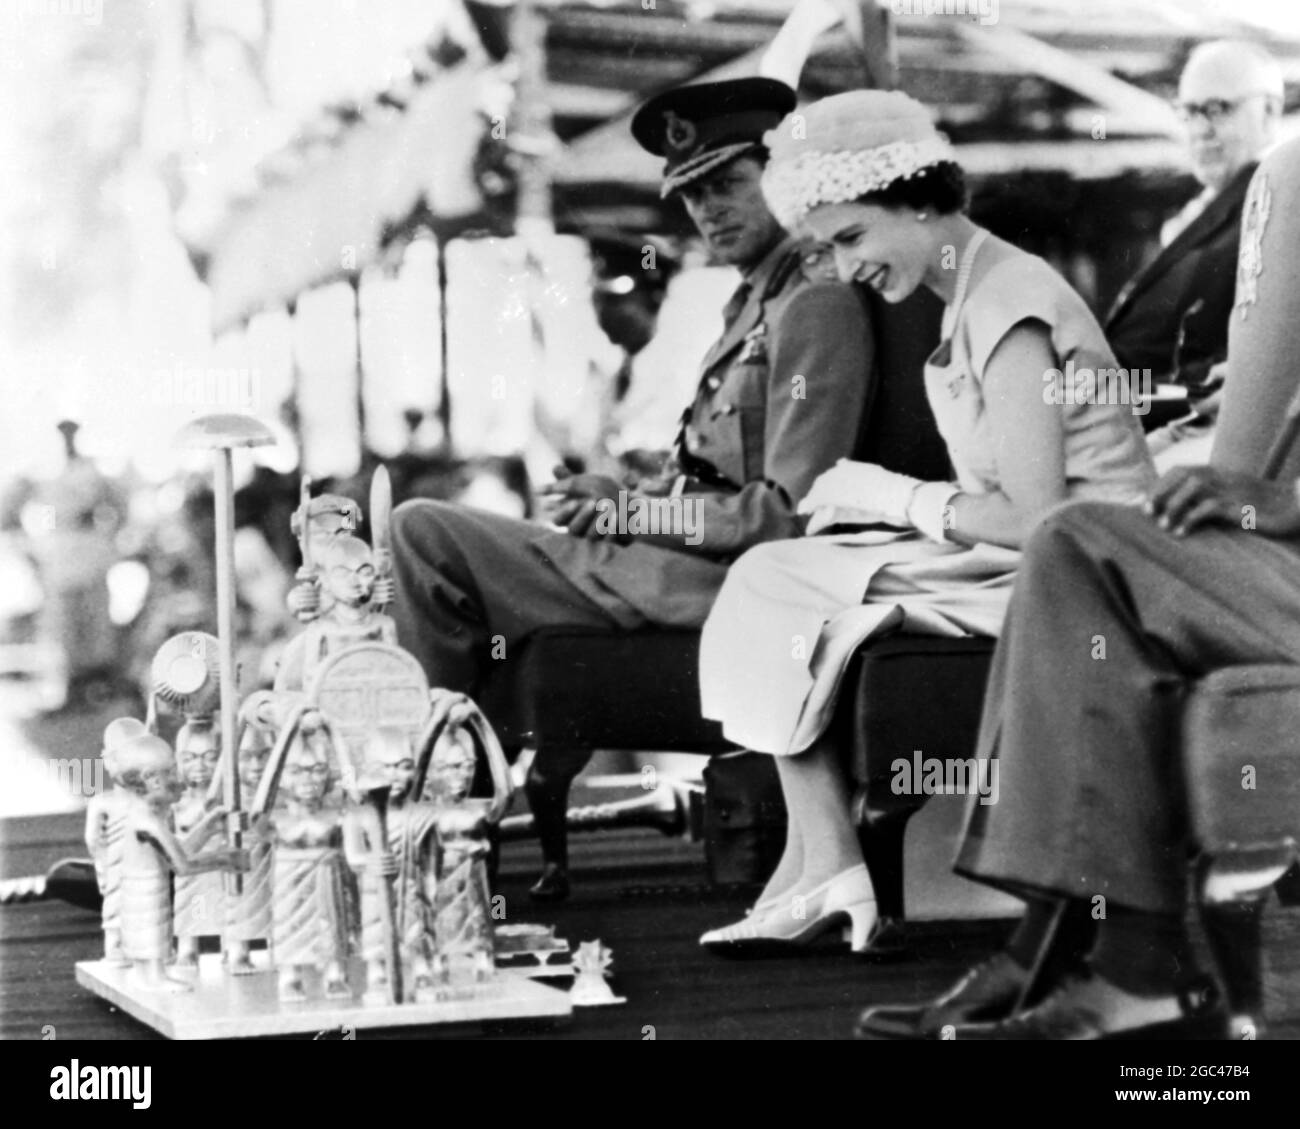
(1111, 619)
(472, 585)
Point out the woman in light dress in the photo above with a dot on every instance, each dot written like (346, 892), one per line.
(1021, 394)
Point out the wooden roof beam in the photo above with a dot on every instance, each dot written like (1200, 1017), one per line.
(1141, 111)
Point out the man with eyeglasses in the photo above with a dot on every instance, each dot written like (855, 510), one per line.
(1172, 317)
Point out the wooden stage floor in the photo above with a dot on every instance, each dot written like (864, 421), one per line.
(641, 894)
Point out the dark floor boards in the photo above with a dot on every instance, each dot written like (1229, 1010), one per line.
(641, 894)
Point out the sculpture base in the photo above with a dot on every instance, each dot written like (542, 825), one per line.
(221, 1006)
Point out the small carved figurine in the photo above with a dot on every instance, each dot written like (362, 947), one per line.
(365, 844)
(199, 900)
(348, 578)
(151, 854)
(106, 836)
(590, 967)
(310, 904)
(411, 852)
(248, 913)
(328, 516)
(462, 912)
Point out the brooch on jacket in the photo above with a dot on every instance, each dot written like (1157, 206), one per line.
(753, 346)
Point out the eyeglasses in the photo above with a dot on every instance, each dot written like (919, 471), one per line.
(1213, 110)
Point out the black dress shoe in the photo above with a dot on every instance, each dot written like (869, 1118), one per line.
(552, 886)
(987, 992)
(1086, 1007)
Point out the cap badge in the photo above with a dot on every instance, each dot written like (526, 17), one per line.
(679, 134)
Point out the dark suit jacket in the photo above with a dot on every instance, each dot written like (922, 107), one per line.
(1186, 292)
(900, 432)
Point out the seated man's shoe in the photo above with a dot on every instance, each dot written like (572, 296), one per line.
(1086, 1007)
(986, 993)
(552, 886)
(785, 925)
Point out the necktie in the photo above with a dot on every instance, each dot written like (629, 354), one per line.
(730, 312)
(736, 303)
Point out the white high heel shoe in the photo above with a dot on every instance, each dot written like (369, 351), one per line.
(791, 921)
(763, 905)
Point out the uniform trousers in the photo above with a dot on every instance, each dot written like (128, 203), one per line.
(472, 585)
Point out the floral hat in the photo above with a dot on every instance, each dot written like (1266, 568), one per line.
(846, 146)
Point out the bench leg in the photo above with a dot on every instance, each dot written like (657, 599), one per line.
(1233, 887)
(550, 776)
(881, 840)
(1234, 933)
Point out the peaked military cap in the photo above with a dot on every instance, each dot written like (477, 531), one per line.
(700, 127)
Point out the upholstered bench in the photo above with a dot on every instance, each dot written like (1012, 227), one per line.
(1241, 760)
(566, 689)
(905, 696)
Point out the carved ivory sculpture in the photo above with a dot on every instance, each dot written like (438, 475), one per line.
(199, 900)
(353, 714)
(310, 899)
(462, 909)
(106, 835)
(348, 580)
(365, 844)
(152, 853)
(410, 857)
(315, 523)
(248, 913)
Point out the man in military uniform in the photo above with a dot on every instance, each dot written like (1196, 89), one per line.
(783, 394)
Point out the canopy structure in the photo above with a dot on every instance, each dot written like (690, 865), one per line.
(334, 218)
(341, 273)
(1037, 89)
(1023, 86)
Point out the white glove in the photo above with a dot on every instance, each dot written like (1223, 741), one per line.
(873, 493)
(866, 493)
(931, 511)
